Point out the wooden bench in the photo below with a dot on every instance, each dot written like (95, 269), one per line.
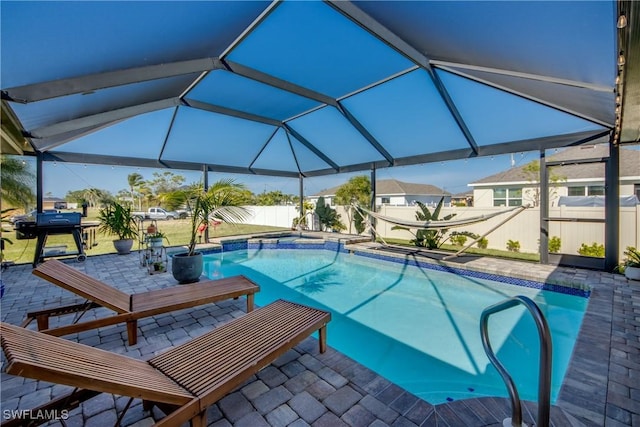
(130, 308)
(185, 380)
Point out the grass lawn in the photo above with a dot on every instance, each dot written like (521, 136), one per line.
(177, 231)
(495, 253)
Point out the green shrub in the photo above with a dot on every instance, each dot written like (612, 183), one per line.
(595, 250)
(429, 238)
(632, 259)
(513, 245)
(483, 243)
(554, 244)
(458, 239)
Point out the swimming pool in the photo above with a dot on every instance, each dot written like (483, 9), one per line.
(416, 326)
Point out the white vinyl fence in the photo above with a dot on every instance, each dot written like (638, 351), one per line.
(524, 228)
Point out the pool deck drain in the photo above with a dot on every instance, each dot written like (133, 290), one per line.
(305, 388)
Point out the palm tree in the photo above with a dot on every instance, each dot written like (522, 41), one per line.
(17, 182)
(135, 180)
(96, 196)
(222, 201)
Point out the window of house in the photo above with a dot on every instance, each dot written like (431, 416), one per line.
(576, 191)
(636, 190)
(385, 200)
(595, 190)
(507, 197)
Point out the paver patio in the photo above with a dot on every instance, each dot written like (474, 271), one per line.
(304, 387)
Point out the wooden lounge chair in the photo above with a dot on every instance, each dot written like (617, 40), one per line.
(184, 381)
(129, 308)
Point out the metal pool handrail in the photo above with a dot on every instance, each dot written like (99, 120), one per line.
(544, 381)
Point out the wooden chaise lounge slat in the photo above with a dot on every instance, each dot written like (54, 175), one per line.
(187, 378)
(35, 355)
(261, 334)
(130, 308)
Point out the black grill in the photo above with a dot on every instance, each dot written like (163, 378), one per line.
(57, 221)
(25, 230)
(47, 224)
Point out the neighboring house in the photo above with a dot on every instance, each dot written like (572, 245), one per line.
(515, 187)
(395, 193)
(53, 203)
(462, 199)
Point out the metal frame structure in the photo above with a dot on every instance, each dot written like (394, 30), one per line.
(608, 107)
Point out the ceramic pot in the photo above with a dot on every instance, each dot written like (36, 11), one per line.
(185, 268)
(123, 247)
(632, 273)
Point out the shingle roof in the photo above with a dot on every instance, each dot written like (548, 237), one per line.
(393, 186)
(629, 166)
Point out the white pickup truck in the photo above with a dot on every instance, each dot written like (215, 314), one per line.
(157, 213)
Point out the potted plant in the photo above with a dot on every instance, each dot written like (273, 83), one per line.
(631, 264)
(116, 219)
(156, 239)
(221, 202)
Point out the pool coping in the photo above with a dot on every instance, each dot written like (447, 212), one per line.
(553, 278)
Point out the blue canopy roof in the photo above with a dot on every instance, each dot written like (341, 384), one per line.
(306, 88)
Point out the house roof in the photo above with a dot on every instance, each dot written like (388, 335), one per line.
(629, 166)
(312, 88)
(390, 187)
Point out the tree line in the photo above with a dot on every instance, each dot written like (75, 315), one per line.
(167, 189)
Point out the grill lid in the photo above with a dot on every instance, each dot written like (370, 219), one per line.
(53, 220)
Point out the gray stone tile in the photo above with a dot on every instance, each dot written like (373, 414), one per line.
(254, 389)
(36, 398)
(307, 407)
(389, 394)
(343, 399)
(270, 400)
(252, 419)
(98, 404)
(311, 362)
(332, 377)
(222, 423)
(320, 389)
(293, 368)
(329, 420)
(235, 406)
(379, 409)
(301, 381)
(289, 356)
(403, 422)
(272, 376)
(358, 416)
(282, 416)
(404, 402)
(103, 419)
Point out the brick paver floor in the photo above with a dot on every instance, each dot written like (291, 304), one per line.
(305, 388)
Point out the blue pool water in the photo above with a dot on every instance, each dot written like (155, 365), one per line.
(415, 326)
